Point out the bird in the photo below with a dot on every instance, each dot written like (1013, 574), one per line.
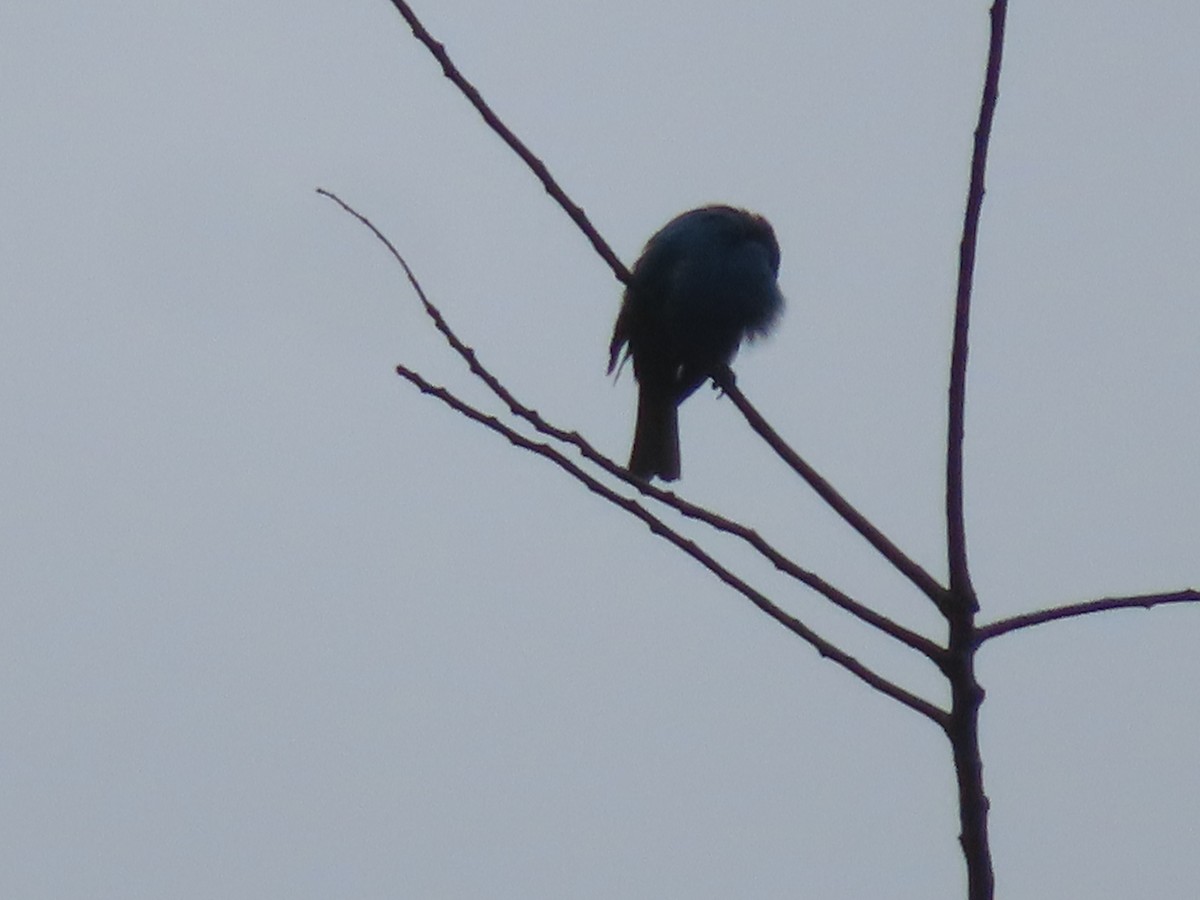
(706, 281)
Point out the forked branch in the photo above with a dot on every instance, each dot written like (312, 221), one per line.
(966, 693)
(956, 600)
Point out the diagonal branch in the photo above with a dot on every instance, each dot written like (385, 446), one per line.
(578, 216)
(1027, 620)
(450, 70)
(860, 523)
(960, 578)
(864, 613)
(660, 528)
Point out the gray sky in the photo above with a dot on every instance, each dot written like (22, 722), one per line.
(278, 626)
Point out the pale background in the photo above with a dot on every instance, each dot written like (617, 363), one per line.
(275, 625)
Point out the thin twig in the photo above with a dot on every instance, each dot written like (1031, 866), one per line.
(960, 579)
(1027, 620)
(860, 523)
(578, 216)
(918, 642)
(660, 528)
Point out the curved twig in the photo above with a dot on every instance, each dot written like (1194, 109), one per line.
(1027, 620)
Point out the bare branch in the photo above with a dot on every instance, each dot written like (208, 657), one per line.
(876, 538)
(960, 579)
(1144, 601)
(916, 641)
(578, 216)
(438, 50)
(920, 643)
(660, 528)
(966, 693)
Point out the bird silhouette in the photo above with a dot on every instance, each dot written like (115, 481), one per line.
(704, 283)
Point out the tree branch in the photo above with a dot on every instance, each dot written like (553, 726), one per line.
(660, 528)
(1027, 620)
(966, 692)
(578, 216)
(910, 638)
(450, 70)
(960, 579)
(876, 538)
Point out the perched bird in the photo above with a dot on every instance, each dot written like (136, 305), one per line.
(704, 282)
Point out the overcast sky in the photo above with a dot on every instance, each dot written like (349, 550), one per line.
(276, 625)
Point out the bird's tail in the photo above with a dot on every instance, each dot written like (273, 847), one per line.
(656, 437)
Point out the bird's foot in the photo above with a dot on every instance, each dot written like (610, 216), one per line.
(723, 379)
